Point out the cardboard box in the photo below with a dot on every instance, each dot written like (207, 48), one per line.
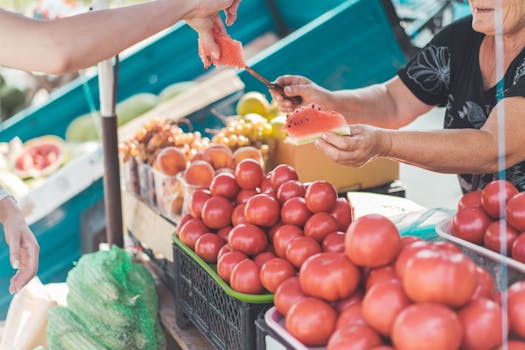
(313, 165)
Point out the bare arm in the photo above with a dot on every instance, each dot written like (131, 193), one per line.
(388, 105)
(71, 43)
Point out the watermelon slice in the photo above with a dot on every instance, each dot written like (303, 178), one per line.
(231, 51)
(308, 123)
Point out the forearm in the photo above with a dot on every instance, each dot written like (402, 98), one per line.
(63, 45)
(8, 206)
(462, 151)
(372, 105)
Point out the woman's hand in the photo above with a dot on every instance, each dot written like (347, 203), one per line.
(362, 145)
(206, 8)
(205, 27)
(295, 85)
(23, 247)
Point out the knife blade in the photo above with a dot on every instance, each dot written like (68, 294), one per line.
(297, 100)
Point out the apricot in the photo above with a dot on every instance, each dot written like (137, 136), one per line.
(199, 173)
(247, 152)
(170, 161)
(219, 156)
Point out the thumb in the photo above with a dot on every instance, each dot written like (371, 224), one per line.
(14, 253)
(297, 90)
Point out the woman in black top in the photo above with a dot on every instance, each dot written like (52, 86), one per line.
(457, 69)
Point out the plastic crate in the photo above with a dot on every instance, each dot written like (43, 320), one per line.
(227, 322)
(268, 339)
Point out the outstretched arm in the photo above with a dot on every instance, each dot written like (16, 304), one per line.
(75, 42)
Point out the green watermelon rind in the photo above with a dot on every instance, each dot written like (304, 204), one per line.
(38, 173)
(304, 140)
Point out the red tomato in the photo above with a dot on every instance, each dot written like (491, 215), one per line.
(515, 211)
(217, 212)
(207, 247)
(311, 321)
(415, 247)
(225, 249)
(281, 174)
(485, 285)
(320, 196)
(249, 174)
(283, 236)
(244, 195)
(440, 276)
(182, 221)
(382, 303)
(334, 242)
(470, 200)
(358, 337)
(372, 241)
(518, 248)
(320, 225)
(492, 239)
(274, 272)
(492, 196)
(516, 298)
(287, 294)
(300, 249)
(431, 324)
(329, 276)
(342, 304)
(238, 215)
(470, 224)
(245, 278)
(352, 315)
(247, 238)
(266, 184)
(263, 257)
(224, 185)
(262, 210)
(290, 189)
(197, 200)
(481, 317)
(342, 213)
(406, 240)
(192, 230)
(380, 275)
(383, 347)
(295, 212)
(227, 262)
(273, 229)
(224, 232)
(514, 345)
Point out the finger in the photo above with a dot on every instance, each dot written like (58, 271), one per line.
(231, 12)
(209, 44)
(341, 142)
(286, 80)
(14, 251)
(297, 89)
(28, 265)
(332, 152)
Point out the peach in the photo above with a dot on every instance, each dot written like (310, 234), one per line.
(247, 152)
(219, 156)
(170, 161)
(199, 173)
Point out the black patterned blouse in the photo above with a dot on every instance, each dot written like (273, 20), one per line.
(446, 72)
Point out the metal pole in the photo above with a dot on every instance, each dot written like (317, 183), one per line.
(107, 80)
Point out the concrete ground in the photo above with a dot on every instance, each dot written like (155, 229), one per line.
(430, 189)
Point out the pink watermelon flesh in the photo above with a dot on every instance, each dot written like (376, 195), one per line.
(231, 51)
(307, 124)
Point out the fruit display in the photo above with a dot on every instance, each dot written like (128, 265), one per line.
(479, 219)
(308, 123)
(247, 223)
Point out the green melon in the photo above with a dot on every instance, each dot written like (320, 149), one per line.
(84, 128)
(135, 106)
(173, 90)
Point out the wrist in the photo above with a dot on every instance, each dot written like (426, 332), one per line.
(385, 142)
(8, 209)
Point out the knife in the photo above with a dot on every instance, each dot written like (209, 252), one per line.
(296, 100)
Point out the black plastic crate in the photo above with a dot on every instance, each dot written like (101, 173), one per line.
(227, 323)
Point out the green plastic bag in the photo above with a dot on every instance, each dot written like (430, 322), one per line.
(112, 305)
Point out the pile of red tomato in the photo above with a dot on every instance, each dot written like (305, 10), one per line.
(259, 228)
(479, 219)
(392, 293)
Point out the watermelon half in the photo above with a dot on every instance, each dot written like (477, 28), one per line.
(231, 51)
(307, 124)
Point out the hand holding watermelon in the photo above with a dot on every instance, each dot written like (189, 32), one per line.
(363, 145)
